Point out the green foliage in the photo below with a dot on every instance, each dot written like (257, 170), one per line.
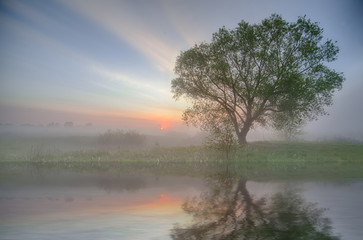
(268, 73)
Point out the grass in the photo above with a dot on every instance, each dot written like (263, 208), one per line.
(257, 161)
(301, 160)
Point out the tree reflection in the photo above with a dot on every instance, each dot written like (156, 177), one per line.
(228, 211)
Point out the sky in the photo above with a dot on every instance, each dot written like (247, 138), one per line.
(111, 62)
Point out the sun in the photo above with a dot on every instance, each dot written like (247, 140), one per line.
(164, 198)
(164, 126)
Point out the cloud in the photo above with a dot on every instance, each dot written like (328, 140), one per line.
(149, 98)
(196, 21)
(124, 21)
(185, 23)
(33, 35)
(130, 82)
(126, 93)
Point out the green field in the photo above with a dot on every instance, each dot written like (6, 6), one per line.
(257, 160)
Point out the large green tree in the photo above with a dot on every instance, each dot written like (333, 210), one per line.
(271, 73)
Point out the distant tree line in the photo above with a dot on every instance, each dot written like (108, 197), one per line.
(50, 124)
(120, 138)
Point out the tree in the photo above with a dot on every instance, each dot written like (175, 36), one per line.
(269, 73)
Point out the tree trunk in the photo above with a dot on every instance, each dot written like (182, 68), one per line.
(242, 138)
(243, 134)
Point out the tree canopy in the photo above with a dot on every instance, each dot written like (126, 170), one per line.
(271, 73)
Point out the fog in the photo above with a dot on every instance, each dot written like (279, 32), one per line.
(345, 118)
(26, 142)
(344, 122)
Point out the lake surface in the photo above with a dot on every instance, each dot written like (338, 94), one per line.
(57, 204)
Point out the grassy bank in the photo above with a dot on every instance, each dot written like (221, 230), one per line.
(259, 161)
(301, 160)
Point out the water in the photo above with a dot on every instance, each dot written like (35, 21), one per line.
(55, 204)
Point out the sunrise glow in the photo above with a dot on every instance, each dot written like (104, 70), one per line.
(164, 205)
(114, 66)
(163, 126)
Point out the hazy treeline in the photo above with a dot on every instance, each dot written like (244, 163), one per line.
(18, 142)
(120, 138)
